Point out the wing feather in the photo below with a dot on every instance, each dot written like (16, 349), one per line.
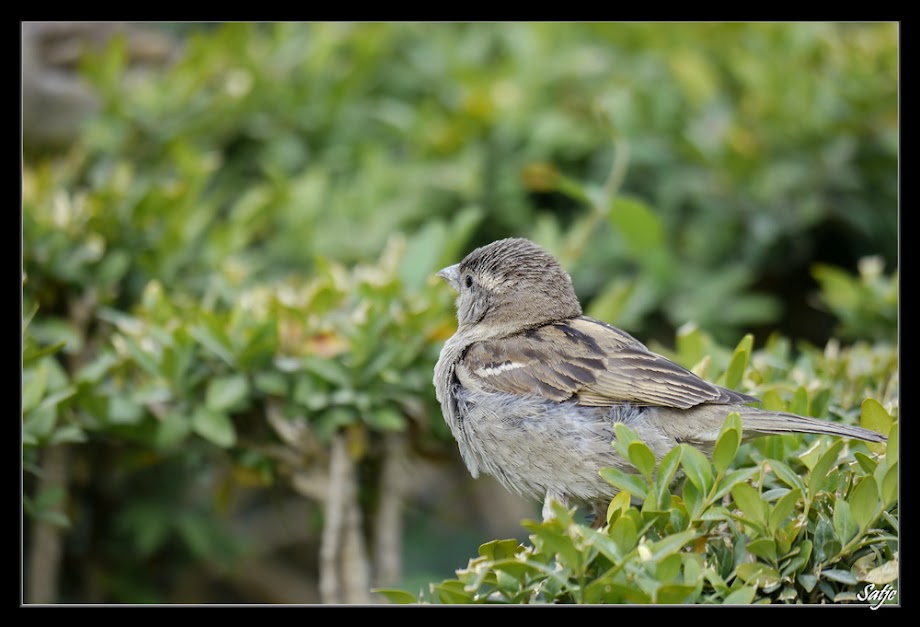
(590, 361)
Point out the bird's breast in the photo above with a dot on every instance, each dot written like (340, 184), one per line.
(533, 446)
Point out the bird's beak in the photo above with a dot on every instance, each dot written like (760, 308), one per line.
(451, 274)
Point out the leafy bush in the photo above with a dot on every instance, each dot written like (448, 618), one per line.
(788, 519)
(227, 287)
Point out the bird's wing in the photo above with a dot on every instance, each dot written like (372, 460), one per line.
(591, 362)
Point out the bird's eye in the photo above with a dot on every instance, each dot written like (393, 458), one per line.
(468, 281)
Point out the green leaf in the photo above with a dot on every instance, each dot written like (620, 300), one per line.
(864, 502)
(618, 505)
(827, 544)
(226, 394)
(893, 445)
(716, 513)
(890, 486)
(272, 382)
(211, 337)
(517, 568)
(214, 426)
(787, 475)
(873, 416)
(822, 467)
(624, 533)
(96, 369)
(772, 401)
(726, 446)
(31, 354)
(400, 597)
(820, 401)
(668, 567)
(666, 471)
(499, 549)
(697, 468)
(47, 505)
(423, 250)
(39, 424)
(739, 362)
(331, 420)
(608, 546)
(693, 500)
(558, 543)
(672, 543)
(808, 581)
(690, 344)
(802, 553)
(750, 503)
(329, 370)
(758, 574)
(171, 430)
(68, 433)
(840, 575)
(144, 359)
(506, 582)
(613, 299)
(385, 418)
(642, 458)
(783, 508)
(885, 573)
(198, 534)
(624, 437)
(634, 484)
(732, 479)
(435, 245)
(124, 322)
(642, 230)
(122, 411)
(310, 393)
(764, 548)
(844, 524)
(741, 596)
(34, 383)
(261, 346)
(865, 462)
(799, 404)
(674, 593)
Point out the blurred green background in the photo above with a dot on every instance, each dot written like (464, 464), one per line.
(230, 231)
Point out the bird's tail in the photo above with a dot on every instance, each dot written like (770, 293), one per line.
(760, 422)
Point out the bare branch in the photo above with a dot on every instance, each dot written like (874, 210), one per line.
(47, 544)
(394, 484)
(329, 585)
(45, 553)
(344, 571)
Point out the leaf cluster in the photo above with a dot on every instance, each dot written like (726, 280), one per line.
(782, 519)
(252, 233)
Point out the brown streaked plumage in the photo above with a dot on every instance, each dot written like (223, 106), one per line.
(595, 363)
(531, 388)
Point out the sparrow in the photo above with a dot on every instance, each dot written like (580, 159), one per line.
(531, 388)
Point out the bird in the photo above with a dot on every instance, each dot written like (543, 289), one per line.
(531, 388)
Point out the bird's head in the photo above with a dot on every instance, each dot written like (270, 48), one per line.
(510, 285)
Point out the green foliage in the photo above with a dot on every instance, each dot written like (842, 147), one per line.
(264, 134)
(790, 519)
(867, 305)
(256, 228)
